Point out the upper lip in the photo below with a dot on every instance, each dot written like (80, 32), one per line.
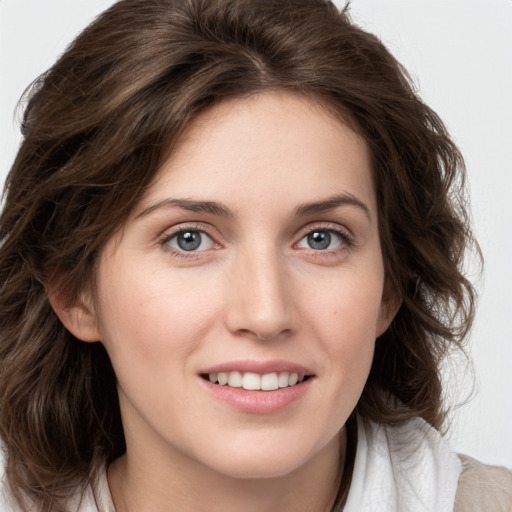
(260, 367)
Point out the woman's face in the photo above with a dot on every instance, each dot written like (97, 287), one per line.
(253, 258)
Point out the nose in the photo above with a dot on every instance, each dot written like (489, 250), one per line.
(260, 303)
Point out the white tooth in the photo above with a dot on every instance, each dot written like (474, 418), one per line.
(283, 380)
(235, 380)
(222, 378)
(212, 377)
(294, 378)
(269, 382)
(251, 381)
(301, 377)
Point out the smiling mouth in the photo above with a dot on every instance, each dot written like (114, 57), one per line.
(256, 382)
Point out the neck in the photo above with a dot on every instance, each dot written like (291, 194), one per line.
(140, 482)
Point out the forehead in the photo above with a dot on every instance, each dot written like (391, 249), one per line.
(265, 145)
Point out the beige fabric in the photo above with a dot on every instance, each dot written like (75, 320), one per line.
(483, 488)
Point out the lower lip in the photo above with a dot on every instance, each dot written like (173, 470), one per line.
(258, 402)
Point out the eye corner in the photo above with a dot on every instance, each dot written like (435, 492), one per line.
(321, 239)
(334, 242)
(188, 242)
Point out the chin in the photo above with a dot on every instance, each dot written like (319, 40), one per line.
(269, 460)
(270, 468)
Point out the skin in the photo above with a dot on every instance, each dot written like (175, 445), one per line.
(254, 290)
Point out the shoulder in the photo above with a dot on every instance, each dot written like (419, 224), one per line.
(407, 467)
(94, 497)
(7, 501)
(483, 487)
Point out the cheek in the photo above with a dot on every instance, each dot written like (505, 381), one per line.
(348, 306)
(346, 319)
(146, 315)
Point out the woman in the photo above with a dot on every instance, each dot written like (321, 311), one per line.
(231, 266)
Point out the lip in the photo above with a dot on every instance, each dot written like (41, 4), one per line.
(261, 367)
(258, 402)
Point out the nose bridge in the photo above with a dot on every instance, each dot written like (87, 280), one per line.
(260, 300)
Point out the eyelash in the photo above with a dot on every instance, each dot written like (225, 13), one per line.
(183, 228)
(346, 244)
(347, 241)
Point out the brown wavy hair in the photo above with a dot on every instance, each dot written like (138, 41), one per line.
(97, 126)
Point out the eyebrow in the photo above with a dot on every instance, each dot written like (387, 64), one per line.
(210, 207)
(215, 208)
(331, 203)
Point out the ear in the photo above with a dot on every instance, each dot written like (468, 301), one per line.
(389, 307)
(78, 317)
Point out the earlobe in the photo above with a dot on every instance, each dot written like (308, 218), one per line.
(78, 317)
(388, 309)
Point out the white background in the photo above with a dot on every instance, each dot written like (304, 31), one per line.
(460, 54)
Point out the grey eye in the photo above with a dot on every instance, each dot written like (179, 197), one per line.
(321, 239)
(191, 240)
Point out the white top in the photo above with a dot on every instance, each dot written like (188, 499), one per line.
(397, 469)
(403, 469)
